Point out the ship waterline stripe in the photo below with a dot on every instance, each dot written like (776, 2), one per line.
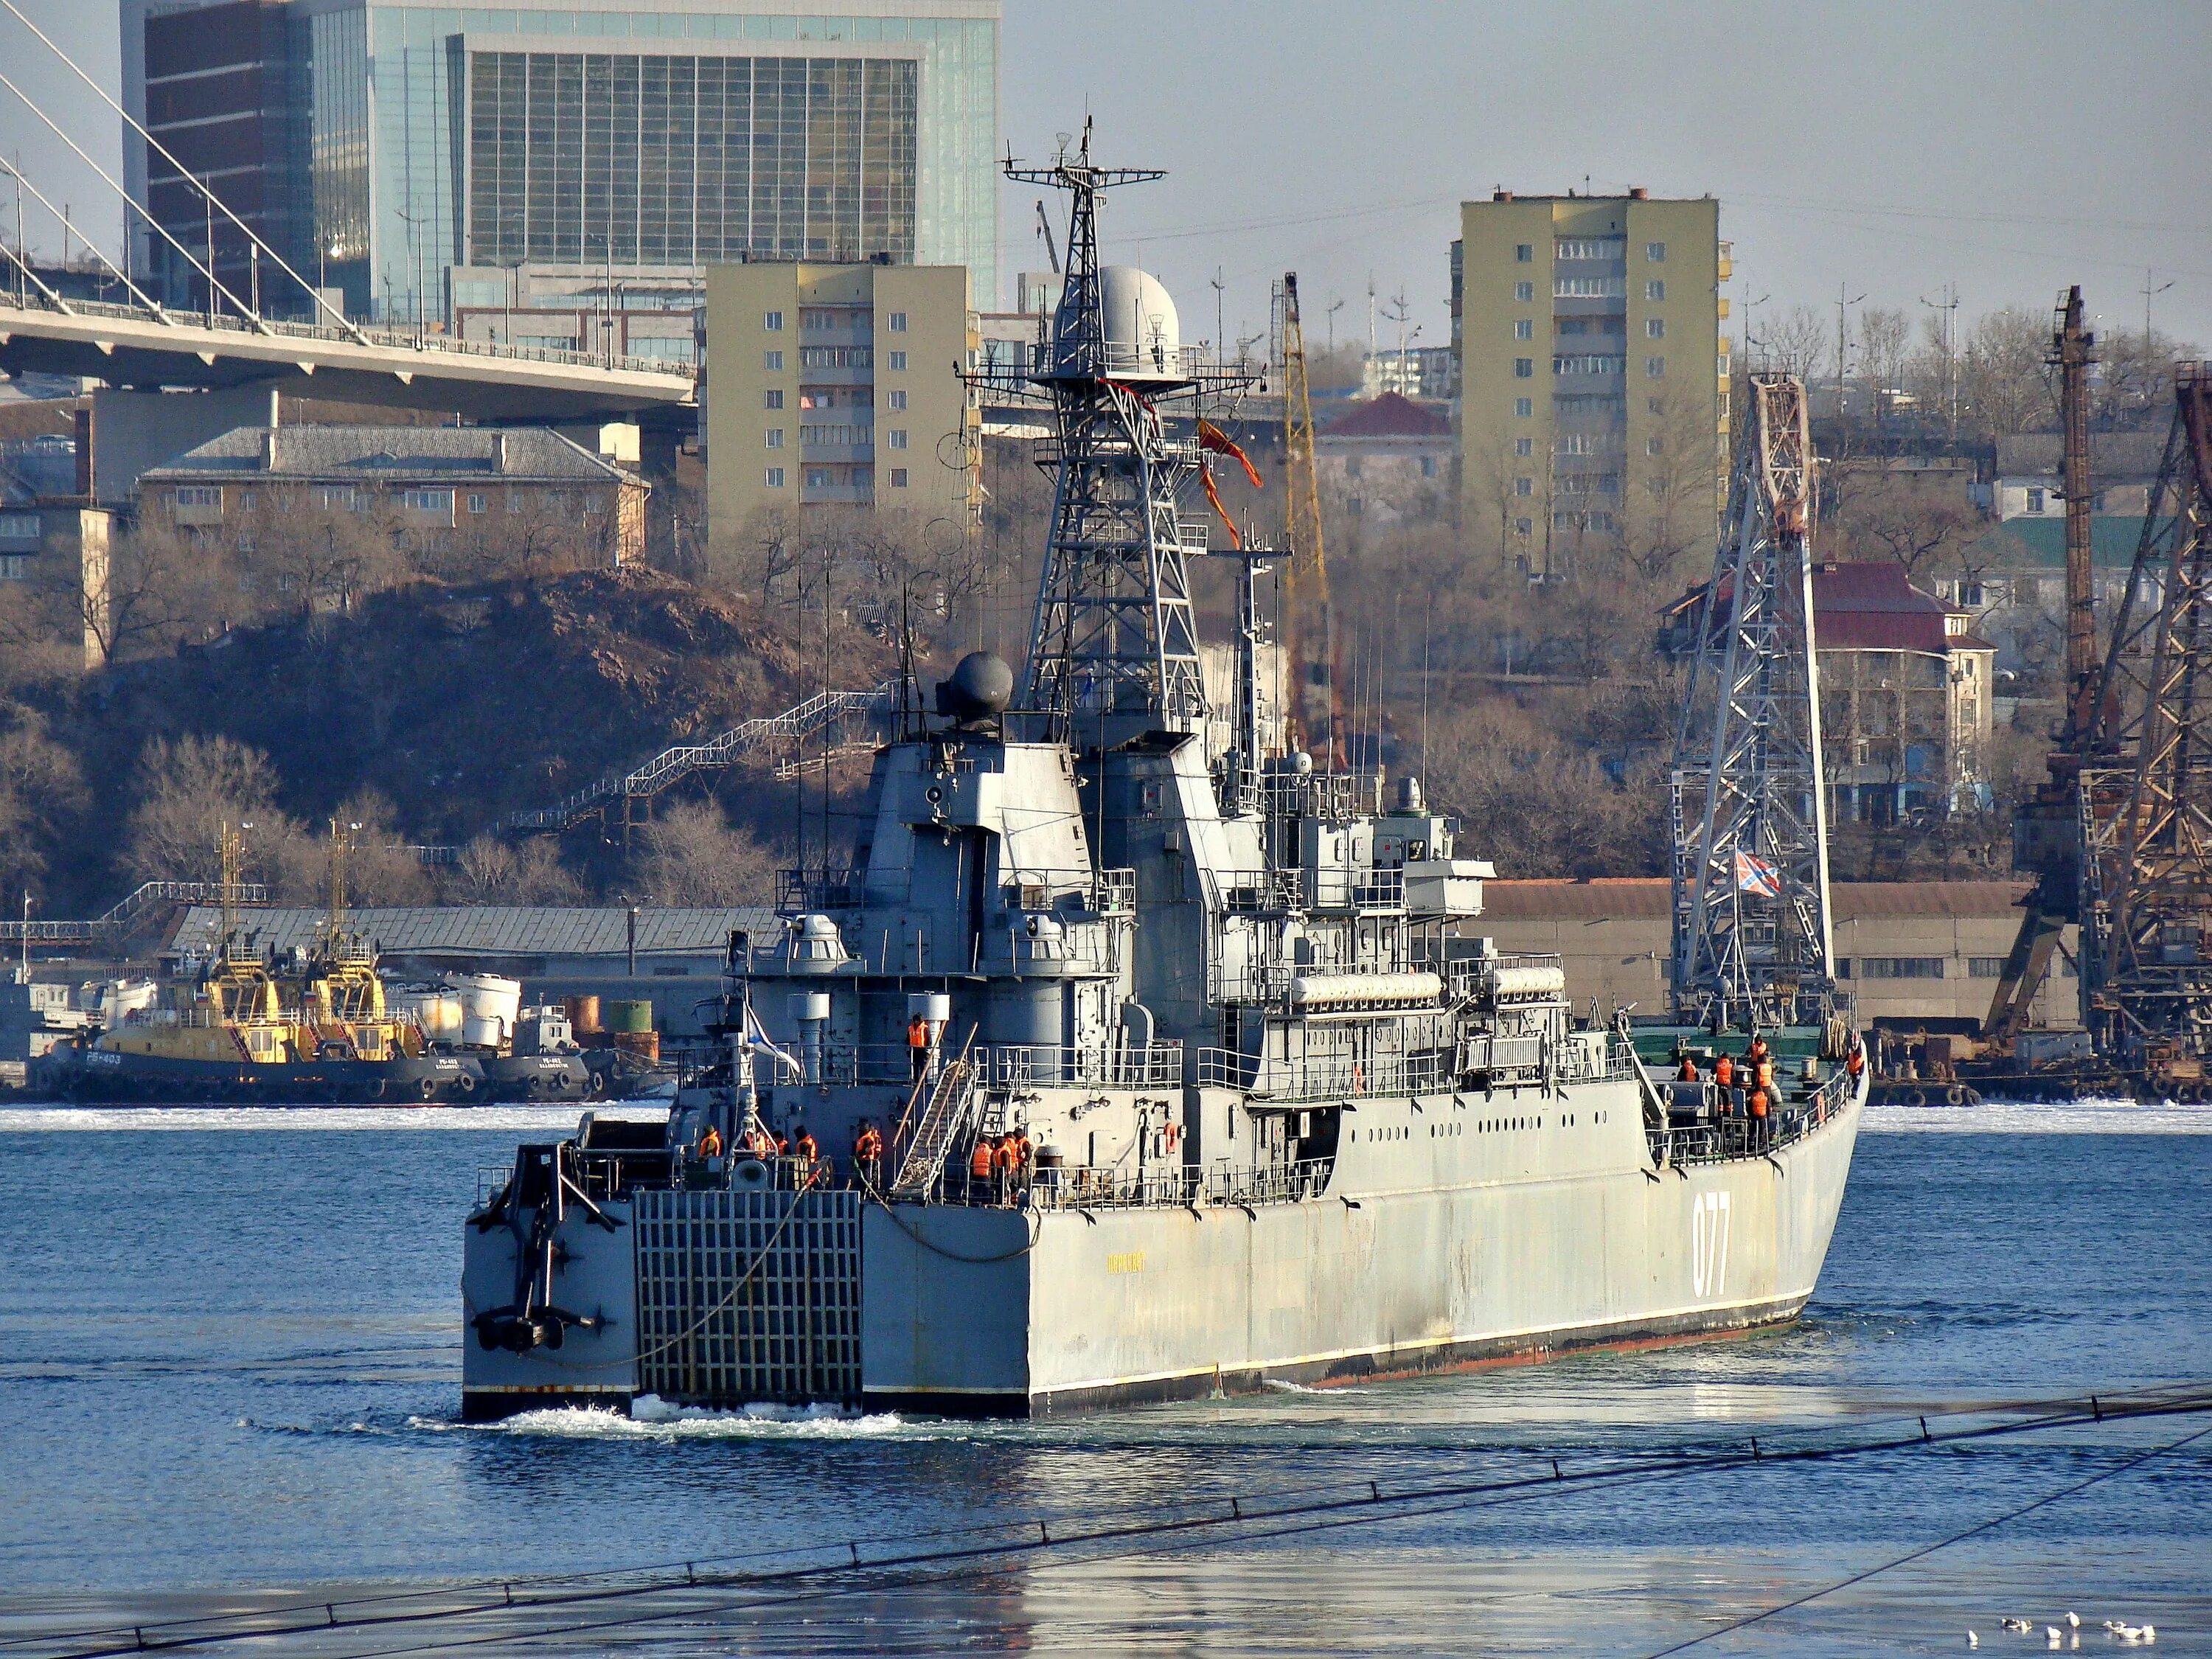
(1426, 1345)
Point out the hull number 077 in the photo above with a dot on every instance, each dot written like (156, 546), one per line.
(1709, 1242)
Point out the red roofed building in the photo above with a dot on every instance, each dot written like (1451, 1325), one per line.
(1386, 459)
(1905, 692)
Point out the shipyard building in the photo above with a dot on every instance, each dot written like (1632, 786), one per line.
(418, 158)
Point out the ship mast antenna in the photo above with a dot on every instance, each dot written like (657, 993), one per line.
(1113, 634)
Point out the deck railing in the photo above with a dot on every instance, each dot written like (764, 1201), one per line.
(1689, 1126)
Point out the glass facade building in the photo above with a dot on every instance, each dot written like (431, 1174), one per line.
(667, 136)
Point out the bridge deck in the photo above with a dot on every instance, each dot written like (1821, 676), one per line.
(129, 346)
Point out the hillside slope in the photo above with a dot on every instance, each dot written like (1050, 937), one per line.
(459, 704)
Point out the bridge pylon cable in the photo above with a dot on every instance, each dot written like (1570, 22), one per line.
(109, 179)
(162, 150)
(21, 258)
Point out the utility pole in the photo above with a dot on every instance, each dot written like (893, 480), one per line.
(1398, 315)
(1948, 305)
(1335, 305)
(1841, 348)
(1220, 339)
(2149, 294)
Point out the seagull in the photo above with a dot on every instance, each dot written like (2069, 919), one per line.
(2020, 1625)
(2073, 1619)
(1972, 1640)
(2051, 1632)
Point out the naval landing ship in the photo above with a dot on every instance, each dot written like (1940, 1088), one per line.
(1189, 1065)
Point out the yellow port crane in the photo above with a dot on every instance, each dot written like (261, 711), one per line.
(1308, 625)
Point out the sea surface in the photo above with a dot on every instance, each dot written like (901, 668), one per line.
(229, 1375)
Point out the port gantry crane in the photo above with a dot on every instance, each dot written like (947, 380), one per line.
(2047, 830)
(2145, 783)
(1752, 941)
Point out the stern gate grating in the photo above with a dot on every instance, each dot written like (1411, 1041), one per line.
(749, 1294)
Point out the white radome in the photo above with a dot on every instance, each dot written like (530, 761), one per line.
(1144, 334)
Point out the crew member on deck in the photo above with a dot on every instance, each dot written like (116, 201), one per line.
(710, 1144)
(1689, 1071)
(917, 1045)
(980, 1164)
(868, 1154)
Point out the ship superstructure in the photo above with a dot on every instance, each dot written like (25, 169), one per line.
(1127, 1059)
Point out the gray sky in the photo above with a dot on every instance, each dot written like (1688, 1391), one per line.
(1891, 148)
(2007, 148)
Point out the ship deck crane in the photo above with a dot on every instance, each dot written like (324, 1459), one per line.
(1310, 651)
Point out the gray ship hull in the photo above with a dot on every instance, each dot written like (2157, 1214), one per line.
(1453, 1231)
(1512, 1261)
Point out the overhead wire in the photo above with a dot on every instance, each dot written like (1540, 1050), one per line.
(1926, 1550)
(1364, 1500)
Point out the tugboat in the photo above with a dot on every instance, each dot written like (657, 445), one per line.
(1130, 1058)
(241, 1031)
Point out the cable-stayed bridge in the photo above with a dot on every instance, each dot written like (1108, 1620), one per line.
(230, 338)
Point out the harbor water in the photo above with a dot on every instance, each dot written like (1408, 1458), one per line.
(229, 1370)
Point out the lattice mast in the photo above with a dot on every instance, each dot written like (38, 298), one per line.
(1112, 632)
(1752, 934)
(2145, 788)
(1309, 624)
(2071, 352)
(2047, 828)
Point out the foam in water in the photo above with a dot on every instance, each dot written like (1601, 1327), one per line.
(651, 1417)
(2079, 1117)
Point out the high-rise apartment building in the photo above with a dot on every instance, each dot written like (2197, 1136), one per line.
(838, 384)
(1594, 376)
(409, 154)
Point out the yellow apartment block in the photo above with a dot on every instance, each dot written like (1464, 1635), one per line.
(837, 385)
(1594, 376)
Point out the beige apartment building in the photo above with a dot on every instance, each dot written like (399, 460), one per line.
(1593, 375)
(838, 384)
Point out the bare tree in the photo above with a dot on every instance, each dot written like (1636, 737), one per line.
(691, 854)
(1669, 507)
(41, 788)
(160, 582)
(2007, 387)
(492, 870)
(1890, 513)
(187, 789)
(2133, 384)
(1796, 344)
(1884, 337)
(305, 554)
